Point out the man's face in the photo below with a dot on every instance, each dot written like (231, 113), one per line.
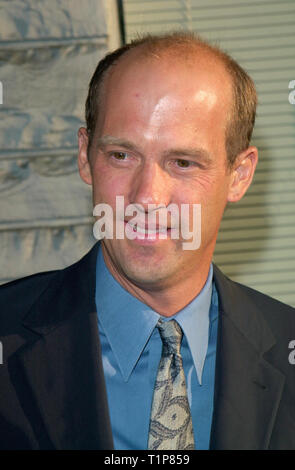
(160, 139)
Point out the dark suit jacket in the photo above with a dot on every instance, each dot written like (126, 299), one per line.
(52, 390)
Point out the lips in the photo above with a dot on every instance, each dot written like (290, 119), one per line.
(148, 228)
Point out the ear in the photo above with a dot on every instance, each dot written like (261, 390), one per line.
(242, 174)
(83, 161)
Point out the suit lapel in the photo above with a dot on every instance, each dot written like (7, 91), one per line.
(247, 387)
(63, 367)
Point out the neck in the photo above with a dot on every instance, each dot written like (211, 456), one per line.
(167, 299)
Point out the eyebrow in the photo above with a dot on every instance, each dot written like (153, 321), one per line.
(102, 142)
(195, 153)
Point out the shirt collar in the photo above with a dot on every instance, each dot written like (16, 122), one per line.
(128, 323)
(194, 321)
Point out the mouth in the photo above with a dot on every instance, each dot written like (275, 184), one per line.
(146, 232)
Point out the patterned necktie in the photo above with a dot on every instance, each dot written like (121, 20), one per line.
(171, 422)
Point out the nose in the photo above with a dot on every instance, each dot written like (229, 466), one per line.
(150, 186)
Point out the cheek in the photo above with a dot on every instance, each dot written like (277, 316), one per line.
(210, 191)
(107, 184)
(199, 190)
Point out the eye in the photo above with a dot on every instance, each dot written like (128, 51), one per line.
(119, 155)
(184, 163)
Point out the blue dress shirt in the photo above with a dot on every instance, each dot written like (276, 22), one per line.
(131, 351)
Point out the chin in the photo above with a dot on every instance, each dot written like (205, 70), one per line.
(149, 275)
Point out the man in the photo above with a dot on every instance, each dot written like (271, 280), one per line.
(143, 344)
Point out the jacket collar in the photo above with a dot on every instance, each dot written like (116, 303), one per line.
(247, 387)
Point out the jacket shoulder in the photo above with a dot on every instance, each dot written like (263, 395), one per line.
(17, 297)
(279, 316)
(255, 308)
(266, 302)
(242, 293)
(57, 288)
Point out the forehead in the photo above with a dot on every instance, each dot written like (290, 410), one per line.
(148, 84)
(189, 68)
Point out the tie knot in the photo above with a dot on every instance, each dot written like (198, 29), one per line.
(171, 335)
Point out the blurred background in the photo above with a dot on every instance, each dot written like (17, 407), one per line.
(48, 52)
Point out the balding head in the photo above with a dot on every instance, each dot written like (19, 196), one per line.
(187, 49)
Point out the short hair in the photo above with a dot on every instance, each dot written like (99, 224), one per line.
(243, 111)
